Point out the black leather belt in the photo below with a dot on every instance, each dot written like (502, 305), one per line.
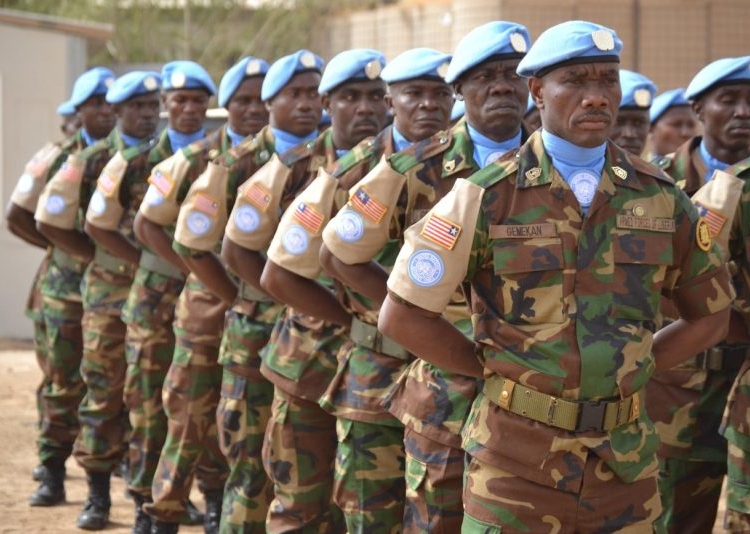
(720, 358)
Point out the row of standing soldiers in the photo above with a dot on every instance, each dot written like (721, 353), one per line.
(208, 305)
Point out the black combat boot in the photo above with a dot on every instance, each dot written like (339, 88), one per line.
(213, 511)
(95, 514)
(38, 472)
(142, 522)
(163, 527)
(51, 490)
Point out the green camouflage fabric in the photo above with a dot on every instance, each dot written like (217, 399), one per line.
(735, 425)
(62, 312)
(552, 287)
(104, 289)
(33, 311)
(242, 417)
(686, 404)
(148, 313)
(300, 359)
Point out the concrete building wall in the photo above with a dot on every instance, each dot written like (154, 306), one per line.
(37, 70)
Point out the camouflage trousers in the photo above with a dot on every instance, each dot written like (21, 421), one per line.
(690, 493)
(149, 346)
(298, 454)
(369, 485)
(191, 396)
(498, 501)
(737, 517)
(40, 352)
(242, 416)
(65, 388)
(434, 485)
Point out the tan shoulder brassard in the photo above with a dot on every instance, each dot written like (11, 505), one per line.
(296, 243)
(717, 202)
(30, 184)
(60, 199)
(105, 210)
(160, 203)
(203, 214)
(255, 215)
(433, 261)
(360, 229)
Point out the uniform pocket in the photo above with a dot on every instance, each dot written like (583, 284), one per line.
(416, 472)
(472, 525)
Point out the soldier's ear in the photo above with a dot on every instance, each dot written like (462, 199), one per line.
(457, 91)
(535, 90)
(697, 106)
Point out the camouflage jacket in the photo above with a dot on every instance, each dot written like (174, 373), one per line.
(563, 304)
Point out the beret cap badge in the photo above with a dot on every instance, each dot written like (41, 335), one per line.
(372, 69)
(518, 42)
(603, 40)
(642, 97)
(178, 79)
(307, 59)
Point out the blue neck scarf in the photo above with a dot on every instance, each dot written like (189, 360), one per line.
(399, 141)
(711, 162)
(234, 137)
(129, 139)
(180, 140)
(487, 150)
(285, 140)
(90, 139)
(580, 167)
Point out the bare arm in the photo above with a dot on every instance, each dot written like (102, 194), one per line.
(21, 224)
(154, 237)
(430, 336)
(684, 338)
(113, 242)
(303, 294)
(369, 279)
(247, 264)
(211, 272)
(75, 243)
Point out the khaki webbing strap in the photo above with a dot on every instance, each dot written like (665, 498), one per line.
(248, 292)
(370, 337)
(574, 416)
(719, 359)
(66, 261)
(112, 263)
(154, 263)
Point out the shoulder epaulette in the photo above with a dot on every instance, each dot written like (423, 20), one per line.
(662, 161)
(649, 169)
(364, 151)
(421, 151)
(234, 154)
(92, 150)
(498, 170)
(739, 168)
(132, 152)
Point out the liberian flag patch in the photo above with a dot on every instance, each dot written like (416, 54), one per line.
(310, 218)
(715, 220)
(258, 196)
(206, 204)
(161, 181)
(106, 183)
(441, 231)
(368, 205)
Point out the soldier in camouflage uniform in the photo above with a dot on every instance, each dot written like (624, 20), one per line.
(354, 94)
(566, 265)
(371, 489)
(672, 123)
(192, 385)
(149, 309)
(630, 130)
(61, 293)
(686, 403)
(297, 448)
(729, 106)
(106, 282)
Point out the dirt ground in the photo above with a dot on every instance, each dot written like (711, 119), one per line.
(19, 376)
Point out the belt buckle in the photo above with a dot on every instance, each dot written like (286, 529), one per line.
(591, 416)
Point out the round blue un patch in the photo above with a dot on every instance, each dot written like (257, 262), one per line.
(246, 219)
(198, 223)
(153, 196)
(350, 226)
(426, 268)
(295, 240)
(55, 204)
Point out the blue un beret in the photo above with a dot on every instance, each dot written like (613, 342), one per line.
(720, 72)
(497, 38)
(416, 63)
(138, 82)
(666, 100)
(233, 78)
(283, 69)
(355, 64)
(185, 74)
(65, 109)
(93, 82)
(637, 90)
(575, 41)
